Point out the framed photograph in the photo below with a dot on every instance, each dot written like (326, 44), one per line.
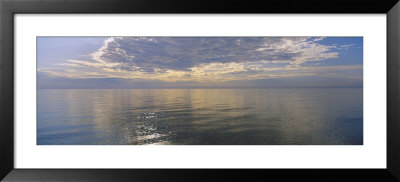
(199, 90)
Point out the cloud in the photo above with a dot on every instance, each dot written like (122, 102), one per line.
(182, 53)
(346, 46)
(204, 59)
(206, 73)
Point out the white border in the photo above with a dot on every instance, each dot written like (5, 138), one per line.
(371, 155)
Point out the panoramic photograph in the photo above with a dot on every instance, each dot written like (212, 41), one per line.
(199, 90)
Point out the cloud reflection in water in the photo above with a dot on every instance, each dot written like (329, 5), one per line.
(200, 116)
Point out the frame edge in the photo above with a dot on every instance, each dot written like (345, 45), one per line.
(393, 89)
(7, 89)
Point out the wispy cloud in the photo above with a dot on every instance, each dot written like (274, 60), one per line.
(204, 59)
(180, 53)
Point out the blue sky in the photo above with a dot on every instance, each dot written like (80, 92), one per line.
(199, 62)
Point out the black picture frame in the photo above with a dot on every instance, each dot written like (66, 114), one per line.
(8, 8)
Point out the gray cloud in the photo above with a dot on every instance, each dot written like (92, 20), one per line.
(149, 54)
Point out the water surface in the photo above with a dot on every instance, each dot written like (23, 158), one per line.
(326, 116)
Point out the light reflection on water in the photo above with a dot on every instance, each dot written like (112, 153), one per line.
(200, 116)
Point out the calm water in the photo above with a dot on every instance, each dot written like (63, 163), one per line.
(200, 116)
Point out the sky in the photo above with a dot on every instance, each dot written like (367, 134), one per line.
(199, 62)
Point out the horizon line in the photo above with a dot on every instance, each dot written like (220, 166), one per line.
(190, 88)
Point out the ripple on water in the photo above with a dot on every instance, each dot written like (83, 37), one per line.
(150, 115)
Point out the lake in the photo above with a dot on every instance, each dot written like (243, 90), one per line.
(293, 116)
